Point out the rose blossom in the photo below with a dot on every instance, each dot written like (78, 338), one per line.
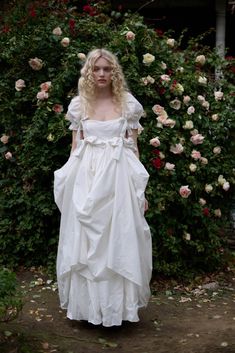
(8, 155)
(177, 149)
(184, 191)
(188, 125)
(194, 132)
(218, 95)
(180, 69)
(208, 188)
(192, 167)
(204, 160)
(190, 110)
(163, 66)
(217, 150)
(65, 42)
(170, 42)
(165, 78)
(130, 35)
(57, 108)
(221, 180)
(177, 88)
(200, 59)
(57, 31)
(150, 79)
(200, 98)
(175, 104)
(19, 85)
(202, 80)
(161, 155)
(169, 123)
(158, 109)
(197, 139)
(215, 117)
(45, 86)
(226, 186)
(148, 59)
(81, 56)
(206, 105)
(42, 95)
(202, 201)
(36, 64)
(187, 236)
(217, 212)
(186, 99)
(155, 142)
(195, 154)
(50, 137)
(169, 166)
(4, 139)
(161, 119)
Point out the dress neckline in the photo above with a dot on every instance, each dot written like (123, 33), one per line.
(103, 121)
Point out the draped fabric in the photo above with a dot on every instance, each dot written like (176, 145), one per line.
(104, 259)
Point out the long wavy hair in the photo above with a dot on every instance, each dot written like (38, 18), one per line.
(86, 83)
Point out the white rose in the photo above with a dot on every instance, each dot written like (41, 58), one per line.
(200, 59)
(169, 166)
(19, 85)
(200, 98)
(65, 42)
(226, 186)
(208, 188)
(161, 155)
(170, 42)
(217, 212)
(217, 150)
(221, 180)
(57, 31)
(175, 104)
(150, 79)
(202, 80)
(81, 56)
(177, 149)
(4, 139)
(192, 167)
(204, 160)
(202, 201)
(187, 236)
(148, 59)
(169, 122)
(186, 99)
(163, 65)
(218, 95)
(188, 125)
(215, 117)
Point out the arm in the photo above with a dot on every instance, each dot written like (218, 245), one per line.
(74, 140)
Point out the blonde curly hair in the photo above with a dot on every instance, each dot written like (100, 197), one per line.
(86, 84)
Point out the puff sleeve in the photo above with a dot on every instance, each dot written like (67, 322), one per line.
(74, 113)
(134, 111)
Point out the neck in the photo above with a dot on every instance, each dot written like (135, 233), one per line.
(103, 93)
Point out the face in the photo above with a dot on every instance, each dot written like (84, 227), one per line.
(102, 73)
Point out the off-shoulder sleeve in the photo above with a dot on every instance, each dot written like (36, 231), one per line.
(134, 111)
(74, 113)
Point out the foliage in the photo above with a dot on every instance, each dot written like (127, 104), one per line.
(188, 235)
(10, 301)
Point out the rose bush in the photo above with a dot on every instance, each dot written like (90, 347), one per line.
(186, 144)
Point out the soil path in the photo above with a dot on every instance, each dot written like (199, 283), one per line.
(178, 319)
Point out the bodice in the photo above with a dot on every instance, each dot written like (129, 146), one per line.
(104, 129)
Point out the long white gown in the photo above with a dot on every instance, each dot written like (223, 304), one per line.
(104, 260)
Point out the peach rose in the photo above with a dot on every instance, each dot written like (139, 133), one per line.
(45, 86)
(217, 150)
(36, 64)
(200, 59)
(130, 35)
(184, 191)
(8, 155)
(81, 56)
(217, 212)
(158, 109)
(4, 139)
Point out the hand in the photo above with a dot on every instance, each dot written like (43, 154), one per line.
(146, 205)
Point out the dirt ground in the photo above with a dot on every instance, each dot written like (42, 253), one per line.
(199, 318)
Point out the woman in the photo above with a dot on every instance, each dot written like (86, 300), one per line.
(104, 252)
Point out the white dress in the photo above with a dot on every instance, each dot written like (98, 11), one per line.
(104, 260)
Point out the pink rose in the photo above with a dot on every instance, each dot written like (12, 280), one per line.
(19, 85)
(155, 142)
(42, 95)
(202, 201)
(4, 139)
(36, 64)
(45, 86)
(196, 154)
(184, 191)
(130, 35)
(162, 119)
(158, 109)
(169, 123)
(58, 108)
(8, 155)
(169, 166)
(177, 149)
(57, 31)
(165, 78)
(186, 99)
(190, 110)
(197, 139)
